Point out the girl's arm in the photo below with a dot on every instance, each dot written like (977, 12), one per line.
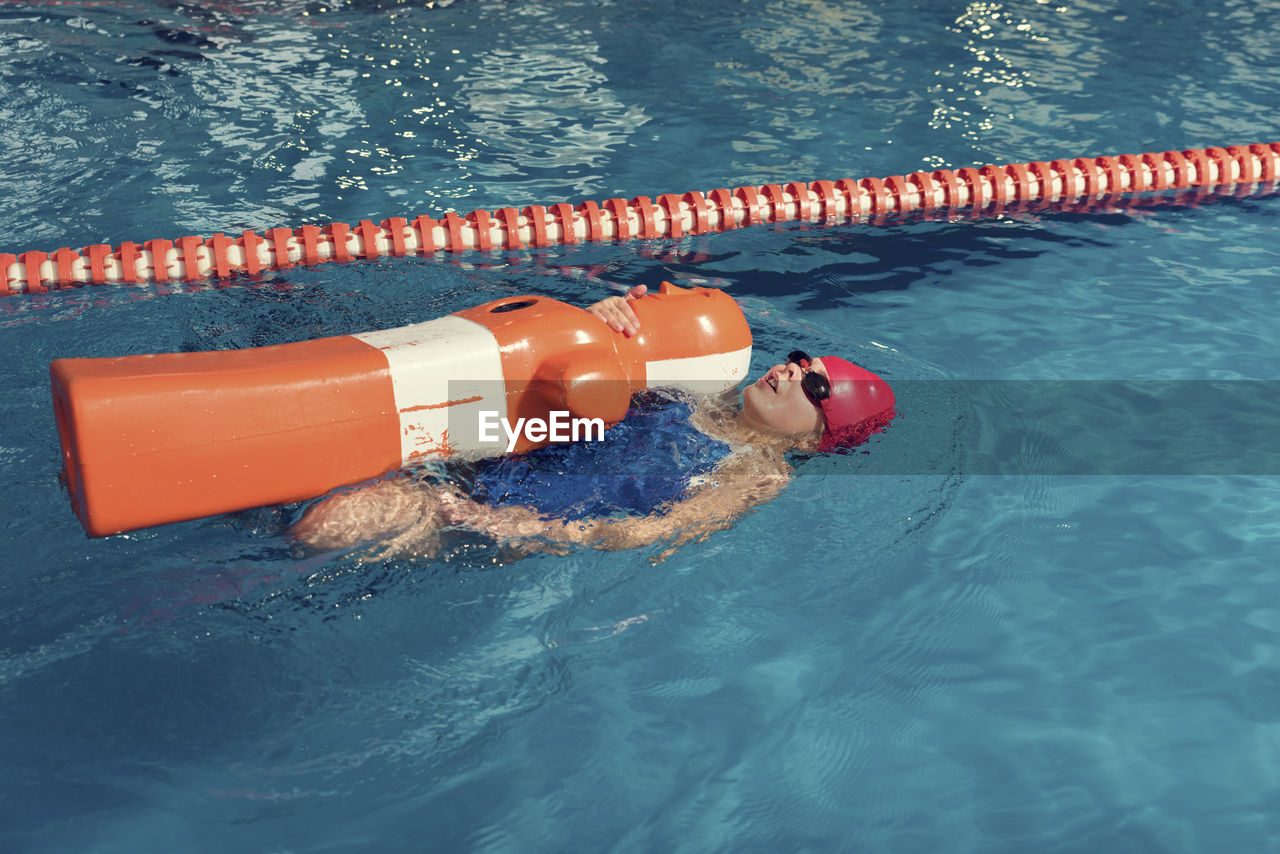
(397, 513)
(710, 508)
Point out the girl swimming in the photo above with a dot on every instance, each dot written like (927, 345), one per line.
(734, 453)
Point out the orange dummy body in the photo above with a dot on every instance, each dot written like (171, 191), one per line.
(151, 439)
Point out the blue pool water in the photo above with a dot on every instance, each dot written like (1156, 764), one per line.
(923, 659)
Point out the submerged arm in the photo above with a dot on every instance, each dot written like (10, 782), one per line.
(397, 513)
(710, 508)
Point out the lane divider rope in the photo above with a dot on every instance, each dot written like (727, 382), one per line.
(970, 191)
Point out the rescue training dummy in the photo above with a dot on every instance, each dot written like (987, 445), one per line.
(151, 439)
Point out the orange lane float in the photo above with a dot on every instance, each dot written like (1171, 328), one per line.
(151, 439)
(969, 191)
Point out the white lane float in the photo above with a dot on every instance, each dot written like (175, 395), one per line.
(972, 191)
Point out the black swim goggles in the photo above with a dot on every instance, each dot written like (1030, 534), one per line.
(814, 384)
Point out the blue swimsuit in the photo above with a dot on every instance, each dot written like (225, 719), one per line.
(643, 463)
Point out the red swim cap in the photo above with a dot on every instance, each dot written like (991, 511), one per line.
(860, 404)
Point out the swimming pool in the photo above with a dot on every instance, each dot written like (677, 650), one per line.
(916, 657)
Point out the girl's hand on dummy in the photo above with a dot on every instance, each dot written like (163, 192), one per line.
(617, 311)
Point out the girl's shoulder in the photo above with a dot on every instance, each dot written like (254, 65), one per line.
(749, 453)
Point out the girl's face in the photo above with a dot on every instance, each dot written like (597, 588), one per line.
(776, 403)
